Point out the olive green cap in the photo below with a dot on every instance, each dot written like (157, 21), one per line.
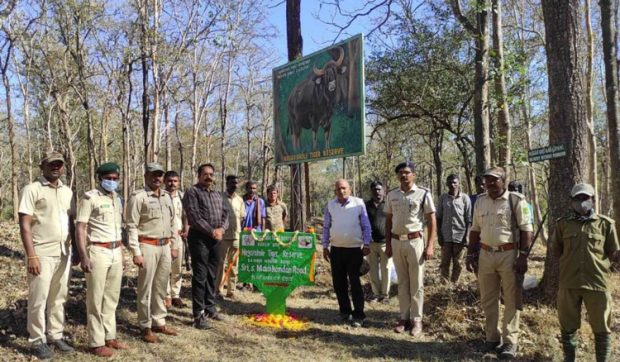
(109, 167)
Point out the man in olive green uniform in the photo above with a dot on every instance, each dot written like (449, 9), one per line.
(586, 243)
(276, 210)
(230, 243)
(499, 258)
(150, 225)
(173, 297)
(98, 231)
(46, 211)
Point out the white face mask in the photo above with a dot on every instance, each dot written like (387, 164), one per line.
(582, 207)
(109, 185)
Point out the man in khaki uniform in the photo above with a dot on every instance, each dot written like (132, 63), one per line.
(495, 254)
(586, 243)
(46, 211)
(406, 210)
(99, 220)
(173, 296)
(229, 246)
(276, 210)
(150, 225)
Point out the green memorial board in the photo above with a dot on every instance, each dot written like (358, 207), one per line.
(277, 263)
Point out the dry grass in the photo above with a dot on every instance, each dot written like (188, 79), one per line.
(453, 323)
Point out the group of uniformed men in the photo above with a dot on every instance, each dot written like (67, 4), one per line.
(498, 244)
(497, 248)
(157, 224)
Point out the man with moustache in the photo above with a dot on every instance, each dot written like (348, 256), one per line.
(406, 209)
(150, 225)
(46, 211)
(499, 241)
(378, 260)
(173, 297)
(229, 247)
(453, 220)
(207, 215)
(347, 229)
(276, 210)
(255, 212)
(98, 231)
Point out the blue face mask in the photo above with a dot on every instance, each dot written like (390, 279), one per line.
(109, 185)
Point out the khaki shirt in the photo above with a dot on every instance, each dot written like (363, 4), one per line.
(493, 218)
(103, 214)
(237, 213)
(408, 209)
(275, 215)
(150, 216)
(50, 208)
(585, 245)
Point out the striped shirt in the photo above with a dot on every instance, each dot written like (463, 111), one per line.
(205, 209)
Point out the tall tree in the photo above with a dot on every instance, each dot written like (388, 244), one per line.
(504, 146)
(609, 25)
(295, 51)
(480, 33)
(568, 124)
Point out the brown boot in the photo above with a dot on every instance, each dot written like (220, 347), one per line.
(168, 302)
(417, 328)
(101, 351)
(116, 344)
(148, 336)
(164, 330)
(402, 326)
(178, 303)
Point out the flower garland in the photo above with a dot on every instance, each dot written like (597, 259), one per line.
(276, 236)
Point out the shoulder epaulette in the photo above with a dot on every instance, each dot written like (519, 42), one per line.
(91, 193)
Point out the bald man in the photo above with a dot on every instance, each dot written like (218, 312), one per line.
(347, 228)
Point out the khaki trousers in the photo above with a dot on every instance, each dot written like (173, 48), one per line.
(379, 272)
(451, 253)
(176, 272)
(227, 252)
(47, 294)
(104, 289)
(409, 264)
(495, 270)
(598, 306)
(152, 283)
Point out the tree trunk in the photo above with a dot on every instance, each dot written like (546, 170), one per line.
(4, 66)
(504, 145)
(295, 51)
(609, 24)
(481, 90)
(144, 58)
(568, 123)
(590, 101)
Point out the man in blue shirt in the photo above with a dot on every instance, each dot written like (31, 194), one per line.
(255, 212)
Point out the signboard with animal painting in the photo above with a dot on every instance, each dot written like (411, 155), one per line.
(319, 105)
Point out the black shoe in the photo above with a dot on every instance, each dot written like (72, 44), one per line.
(357, 323)
(202, 323)
(507, 351)
(215, 316)
(346, 318)
(61, 345)
(489, 347)
(41, 351)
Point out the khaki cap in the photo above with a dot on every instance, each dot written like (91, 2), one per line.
(495, 172)
(52, 156)
(582, 188)
(154, 167)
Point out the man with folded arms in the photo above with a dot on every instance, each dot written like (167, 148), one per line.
(150, 225)
(46, 210)
(207, 215)
(99, 220)
(406, 210)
